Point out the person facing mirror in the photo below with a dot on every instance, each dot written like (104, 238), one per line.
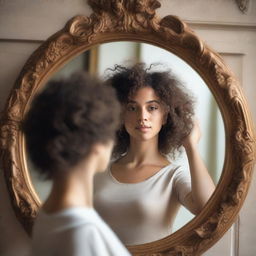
(140, 193)
(69, 131)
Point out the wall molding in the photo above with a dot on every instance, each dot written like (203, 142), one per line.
(227, 26)
(235, 238)
(195, 24)
(11, 40)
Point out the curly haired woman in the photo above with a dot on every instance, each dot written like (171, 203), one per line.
(141, 192)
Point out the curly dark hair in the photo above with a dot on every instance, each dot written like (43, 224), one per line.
(173, 95)
(66, 119)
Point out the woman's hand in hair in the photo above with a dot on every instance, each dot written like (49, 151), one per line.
(193, 138)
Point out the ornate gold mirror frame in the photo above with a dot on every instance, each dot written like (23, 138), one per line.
(135, 20)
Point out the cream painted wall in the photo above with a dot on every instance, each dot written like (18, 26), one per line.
(25, 24)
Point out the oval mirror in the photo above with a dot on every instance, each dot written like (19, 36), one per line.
(113, 21)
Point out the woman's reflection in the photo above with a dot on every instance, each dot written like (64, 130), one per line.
(141, 192)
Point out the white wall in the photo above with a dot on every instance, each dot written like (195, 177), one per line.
(25, 24)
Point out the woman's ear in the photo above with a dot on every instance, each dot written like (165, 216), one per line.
(98, 148)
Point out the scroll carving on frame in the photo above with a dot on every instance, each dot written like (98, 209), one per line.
(136, 20)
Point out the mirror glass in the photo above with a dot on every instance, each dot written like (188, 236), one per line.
(212, 143)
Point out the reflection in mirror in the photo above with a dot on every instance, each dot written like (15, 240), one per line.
(212, 142)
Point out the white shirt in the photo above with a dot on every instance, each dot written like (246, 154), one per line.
(145, 211)
(74, 232)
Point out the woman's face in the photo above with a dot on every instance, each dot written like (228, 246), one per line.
(144, 115)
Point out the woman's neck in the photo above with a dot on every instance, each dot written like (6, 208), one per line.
(73, 188)
(143, 152)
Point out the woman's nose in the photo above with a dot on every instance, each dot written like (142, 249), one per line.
(143, 115)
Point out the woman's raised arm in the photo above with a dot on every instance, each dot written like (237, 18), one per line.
(202, 184)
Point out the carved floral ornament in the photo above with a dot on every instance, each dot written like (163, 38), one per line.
(136, 20)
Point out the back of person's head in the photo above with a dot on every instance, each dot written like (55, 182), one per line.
(66, 119)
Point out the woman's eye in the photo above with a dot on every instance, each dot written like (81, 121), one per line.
(152, 108)
(131, 108)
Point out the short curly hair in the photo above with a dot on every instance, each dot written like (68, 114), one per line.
(66, 119)
(172, 93)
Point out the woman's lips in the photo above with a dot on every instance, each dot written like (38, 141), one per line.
(143, 128)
